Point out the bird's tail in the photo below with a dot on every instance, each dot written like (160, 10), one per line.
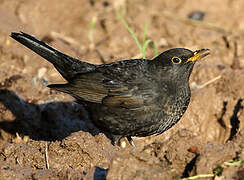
(66, 65)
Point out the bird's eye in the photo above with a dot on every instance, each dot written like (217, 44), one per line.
(176, 60)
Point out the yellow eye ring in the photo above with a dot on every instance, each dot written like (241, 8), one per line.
(176, 60)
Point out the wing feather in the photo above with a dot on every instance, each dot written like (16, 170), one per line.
(113, 88)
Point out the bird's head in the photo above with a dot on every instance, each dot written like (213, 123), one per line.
(179, 62)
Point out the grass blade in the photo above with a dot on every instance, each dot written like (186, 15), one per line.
(155, 49)
(144, 48)
(131, 32)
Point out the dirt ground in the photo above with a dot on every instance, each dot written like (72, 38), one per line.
(44, 134)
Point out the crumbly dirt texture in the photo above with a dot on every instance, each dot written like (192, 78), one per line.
(44, 134)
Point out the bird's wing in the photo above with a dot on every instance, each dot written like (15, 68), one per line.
(113, 87)
(130, 94)
(85, 87)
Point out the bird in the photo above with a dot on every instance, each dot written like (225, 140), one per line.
(127, 98)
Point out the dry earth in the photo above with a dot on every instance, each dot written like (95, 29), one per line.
(44, 134)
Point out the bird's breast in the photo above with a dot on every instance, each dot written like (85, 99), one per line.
(173, 108)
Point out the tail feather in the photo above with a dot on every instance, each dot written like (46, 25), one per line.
(66, 65)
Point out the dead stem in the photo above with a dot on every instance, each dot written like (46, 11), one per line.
(66, 39)
(46, 156)
(236, 63)
(209, 82)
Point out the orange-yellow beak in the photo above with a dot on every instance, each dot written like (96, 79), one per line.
(199, 54)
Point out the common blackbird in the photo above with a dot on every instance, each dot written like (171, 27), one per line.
(136, 97)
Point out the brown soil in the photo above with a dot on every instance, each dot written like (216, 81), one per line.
(44, 134)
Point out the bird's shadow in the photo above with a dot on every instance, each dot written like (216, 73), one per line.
(49, 121)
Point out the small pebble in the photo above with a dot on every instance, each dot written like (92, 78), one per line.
(41, 72)
(196, 15)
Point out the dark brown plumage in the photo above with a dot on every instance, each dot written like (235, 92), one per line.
(136, 97)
